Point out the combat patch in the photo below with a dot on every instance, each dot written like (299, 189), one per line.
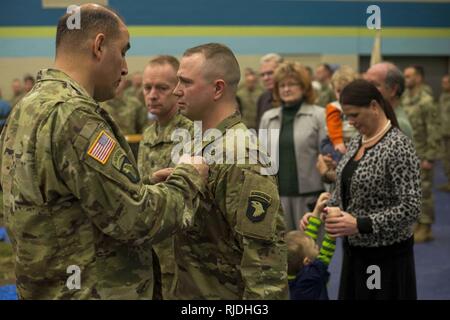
(102, 147)
(257, 205)
(121, 162)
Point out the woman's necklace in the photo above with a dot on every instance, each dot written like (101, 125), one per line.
(378, 135)
(366, 143)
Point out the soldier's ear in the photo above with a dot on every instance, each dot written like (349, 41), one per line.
(98, 46)
(219, 89)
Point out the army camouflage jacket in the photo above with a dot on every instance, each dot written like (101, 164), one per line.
(444, 104)
(156, 145)
(73, 198)
(236, 248)
(128, 112)
(423, 116)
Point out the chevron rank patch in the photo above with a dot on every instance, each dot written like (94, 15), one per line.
(102, 147)
(257, 206)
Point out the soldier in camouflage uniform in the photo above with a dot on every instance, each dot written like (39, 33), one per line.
(248, 95)
(423, 116)
(444, 111)
(326, 94)
(135, 90)
(159, 80)
(236, 249)
(73, 197)
(129, 113)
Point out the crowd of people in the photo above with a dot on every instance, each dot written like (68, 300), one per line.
(355, 155)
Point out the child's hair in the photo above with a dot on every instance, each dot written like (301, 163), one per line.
(299, 247)
(343, 76)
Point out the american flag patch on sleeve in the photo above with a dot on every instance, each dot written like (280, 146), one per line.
(102, 147)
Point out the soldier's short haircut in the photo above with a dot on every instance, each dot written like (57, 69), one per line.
(418, 69)
(271, 57)
(165, 59)
(220, 63)
(93, 20)
(394, 77)
(327, 67)
(28, 77)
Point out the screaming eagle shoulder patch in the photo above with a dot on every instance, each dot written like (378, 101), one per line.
(102, 147)
(257, 205)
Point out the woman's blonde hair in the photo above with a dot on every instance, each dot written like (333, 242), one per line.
(298, 72)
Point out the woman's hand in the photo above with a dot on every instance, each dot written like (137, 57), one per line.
(342, 226)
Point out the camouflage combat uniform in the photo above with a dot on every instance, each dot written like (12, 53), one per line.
(444, 105)
(73, 197)
(325, 96)
(129, 114)
(155, 154)
(423, 116)
(236, 248)
(248, 100)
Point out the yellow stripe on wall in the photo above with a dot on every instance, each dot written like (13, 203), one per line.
(242, 31)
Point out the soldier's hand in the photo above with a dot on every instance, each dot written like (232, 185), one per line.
(199, 164)
(161, 175)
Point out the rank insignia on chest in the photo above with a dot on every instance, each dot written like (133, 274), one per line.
(257, 206)
(102, 147)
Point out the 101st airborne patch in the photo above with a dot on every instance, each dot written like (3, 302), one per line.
(257, 205)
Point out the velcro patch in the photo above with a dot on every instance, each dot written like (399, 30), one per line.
(257, 206)
(102, 147)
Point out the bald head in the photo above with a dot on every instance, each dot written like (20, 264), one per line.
(94, 19)
(388, 79)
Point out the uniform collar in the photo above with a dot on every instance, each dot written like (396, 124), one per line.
(58, 75)
(226, 124)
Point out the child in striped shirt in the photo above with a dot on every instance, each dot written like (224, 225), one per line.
(307, 264)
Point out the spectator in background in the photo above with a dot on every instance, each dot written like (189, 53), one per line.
(269, 63)
(339, 130)
(128, 112)
(423, 115)
(248, 94)
(17, 92)
(390, 82)
(325, 93)
(135, 90)
(302, 128)
(5, 109)
(28, 83)
(444, 110)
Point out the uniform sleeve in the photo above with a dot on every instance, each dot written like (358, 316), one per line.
(141, 119)
(253, 199)
(97, 170)
(404, 170)
(433, 130)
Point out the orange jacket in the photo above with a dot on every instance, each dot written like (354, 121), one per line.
(334, 124)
